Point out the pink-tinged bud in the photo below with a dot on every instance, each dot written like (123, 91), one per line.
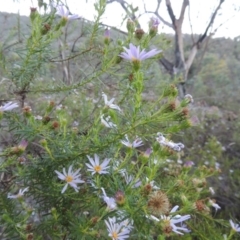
(188, 164)
(107, 36)
(18, 150)
(153, 26)
(147, 153)
(120, 198)
(23, 145)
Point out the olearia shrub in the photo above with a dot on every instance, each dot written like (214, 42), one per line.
(102, 166)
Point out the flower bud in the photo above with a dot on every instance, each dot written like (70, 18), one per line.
(170, 91)
(33, 13)
(45, 29)
(153, 27)
(27, 111)
(188, 164)
(29, 236)
(18, 150)
(55, 125)
(107, 36)
(46, 119)
(139, 33)
(147, 189)
(130, 26)
(94, 220)
(120, 198)
(43, 142)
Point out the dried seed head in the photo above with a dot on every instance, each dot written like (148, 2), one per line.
(158, 203)
(200, 206)
(30, 236)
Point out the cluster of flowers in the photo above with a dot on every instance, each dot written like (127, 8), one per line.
(119, 227)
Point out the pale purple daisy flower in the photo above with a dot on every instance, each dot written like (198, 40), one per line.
(64, 13)
(19, 195)
(136, 143)
(152, 184)
(127, 223)
(235, 227)
(8, 106)
(111, 203)
(96, 167)
(211, 190)
(107, 33)
(107, 123)
(171, 221)
(117, 231)
(188, 164)
(154, 22)
(130, 180)
(189, 98)
(214, 204)
(168, 143)
(23, 145)
(133, 53)
(147, 153)
(109, 103)
(72, 178)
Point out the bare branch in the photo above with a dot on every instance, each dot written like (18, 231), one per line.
(201, 38)
(191, 57)
(111, 1)
(167, 65)
(190, 23)
(163, 20)
(197, 45)
(170, 12)
(125, 6)
(184, 6)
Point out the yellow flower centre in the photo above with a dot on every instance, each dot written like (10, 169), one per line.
(69, 179)
(98, 168)
(115, 235)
